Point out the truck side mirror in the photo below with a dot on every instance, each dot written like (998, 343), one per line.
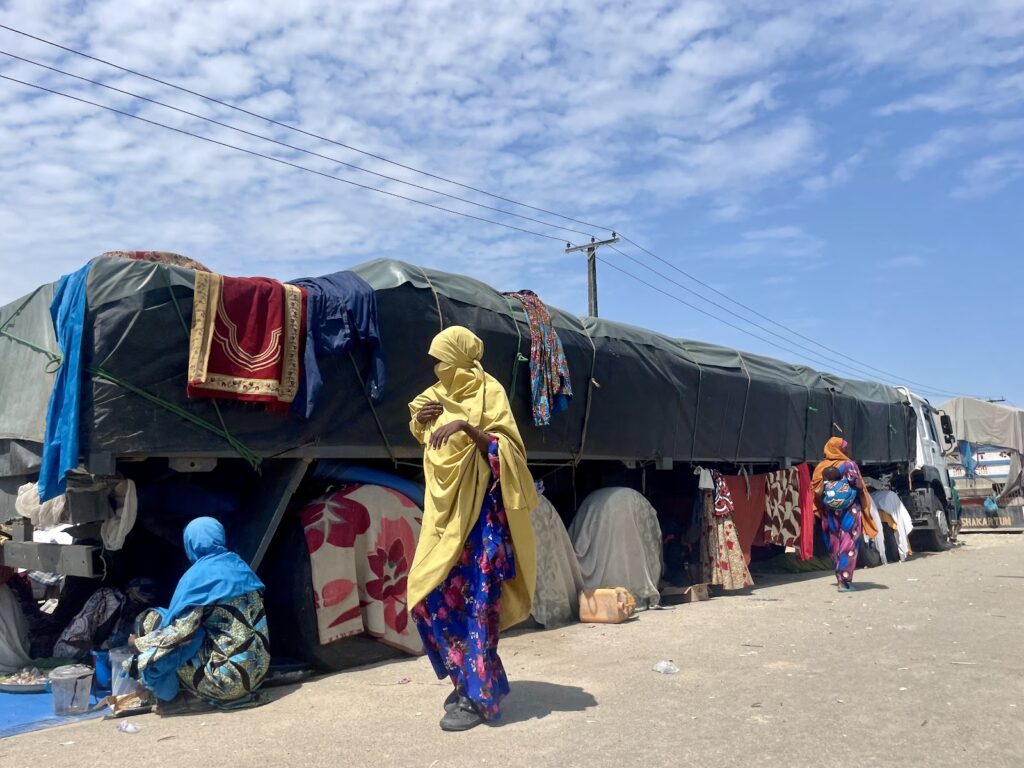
(947, 425)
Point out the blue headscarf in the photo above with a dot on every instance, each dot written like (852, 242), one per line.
(216, 576)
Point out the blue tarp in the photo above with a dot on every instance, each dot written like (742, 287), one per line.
(25, 712)
(60, 447)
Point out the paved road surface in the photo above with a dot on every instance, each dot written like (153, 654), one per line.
(922, 667)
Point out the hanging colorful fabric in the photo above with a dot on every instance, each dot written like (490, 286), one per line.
(549, 370)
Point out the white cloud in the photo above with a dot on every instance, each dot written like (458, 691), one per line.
(610, 112)
(947, 142)
(990, 174)
(838, 174)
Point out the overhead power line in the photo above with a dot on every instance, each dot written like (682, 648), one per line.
(290, 164)
(290, 127)
(786, 328)
(674, 297)
(806, 350)
(847, 360)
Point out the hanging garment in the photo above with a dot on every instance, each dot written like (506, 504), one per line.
(748, 497)
(14, 640)
(721, 555)
(247, 339)
(115, 530)
(361, 542)
(617, 539)
(807, 526)
(892, 506)
(341, 318)
(60, 444)
(878, 540)
(556, 598)
(43, 515)
(705, 481)
(549, 370)
(783, 515)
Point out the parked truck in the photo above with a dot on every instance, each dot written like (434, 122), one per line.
(641, 400)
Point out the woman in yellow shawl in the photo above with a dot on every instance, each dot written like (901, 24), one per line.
(475, 566)
(843, 503)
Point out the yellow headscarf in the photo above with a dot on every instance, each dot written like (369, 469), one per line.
(458, 476)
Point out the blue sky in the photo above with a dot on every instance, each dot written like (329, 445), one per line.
(852, 170)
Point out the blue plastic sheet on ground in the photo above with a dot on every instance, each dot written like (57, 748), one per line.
(26, 712)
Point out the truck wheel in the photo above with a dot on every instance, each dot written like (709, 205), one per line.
(935, 539)
(292, 615)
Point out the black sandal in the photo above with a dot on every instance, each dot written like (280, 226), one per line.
(452, 701)
(462, 717)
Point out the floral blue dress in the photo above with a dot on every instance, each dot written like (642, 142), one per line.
(459, 620)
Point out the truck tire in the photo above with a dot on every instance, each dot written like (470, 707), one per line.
(936, 538)
(292, 614)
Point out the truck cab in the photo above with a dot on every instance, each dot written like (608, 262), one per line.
(928, 493)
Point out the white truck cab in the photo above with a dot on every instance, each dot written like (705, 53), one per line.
(928, 493)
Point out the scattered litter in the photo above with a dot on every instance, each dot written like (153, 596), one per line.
(756, 705)
(840, 701)
(66, 743)
(665, 668)
(902, 669)
(751, 645)
(127, 727)
(913, 579)
(748, 653)
(405, 681)
(165, 738)
(965, 663)
(903, 689)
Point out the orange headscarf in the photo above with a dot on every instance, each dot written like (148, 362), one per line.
(835, 456)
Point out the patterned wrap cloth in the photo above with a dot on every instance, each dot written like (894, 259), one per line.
(722, 556)
(549, 370)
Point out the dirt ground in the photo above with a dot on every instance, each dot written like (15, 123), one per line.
(921, 667)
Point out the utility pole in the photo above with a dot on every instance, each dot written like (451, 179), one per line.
(591, 249)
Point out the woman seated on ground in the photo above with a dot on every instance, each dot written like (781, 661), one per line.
(213, 637)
